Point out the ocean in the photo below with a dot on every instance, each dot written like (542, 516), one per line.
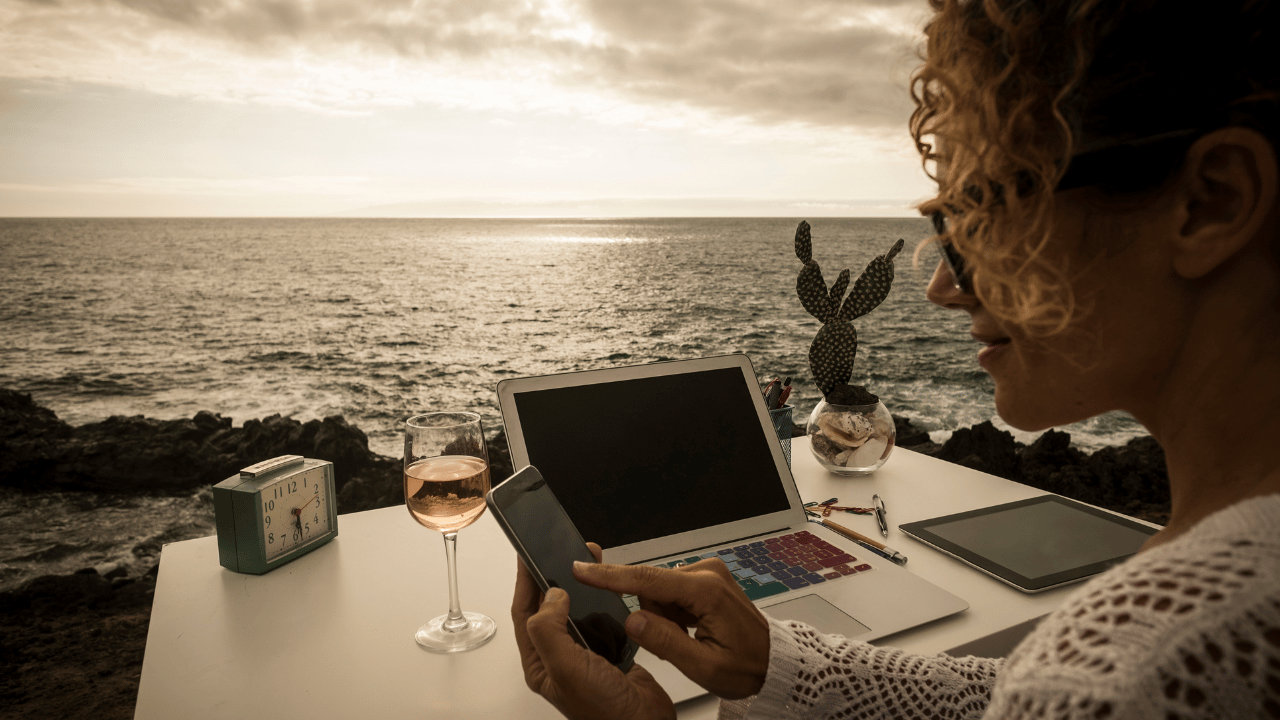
(377, 320)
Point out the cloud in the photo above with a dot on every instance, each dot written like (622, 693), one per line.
(756, 63)
(826, 63)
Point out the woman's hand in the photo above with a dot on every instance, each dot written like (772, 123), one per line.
(729, 652)
(579, 683)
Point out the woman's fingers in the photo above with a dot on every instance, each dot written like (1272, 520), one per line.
(527, 596)
(524, 603)
(728, 655)
(546, 629)
(619, 578)
(658, 584)
(665, 639)
(581, 683)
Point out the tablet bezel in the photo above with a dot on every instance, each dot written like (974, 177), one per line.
(920, 530)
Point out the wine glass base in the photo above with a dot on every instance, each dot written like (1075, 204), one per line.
(480, 629)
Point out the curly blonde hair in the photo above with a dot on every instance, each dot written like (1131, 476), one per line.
(1011, 90)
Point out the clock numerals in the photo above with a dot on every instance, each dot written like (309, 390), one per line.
(287, 488)
(284, 508)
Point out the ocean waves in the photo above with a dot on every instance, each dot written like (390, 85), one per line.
(64, 532)
(377, 320)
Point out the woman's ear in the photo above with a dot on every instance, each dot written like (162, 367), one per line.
(1227, 190)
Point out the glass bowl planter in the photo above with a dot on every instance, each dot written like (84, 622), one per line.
(851, 439)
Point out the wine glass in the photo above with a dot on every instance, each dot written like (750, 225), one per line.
(446, 476)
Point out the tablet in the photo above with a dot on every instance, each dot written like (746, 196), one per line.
(1035, 544)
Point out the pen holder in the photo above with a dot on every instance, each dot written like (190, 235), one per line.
(782, 424)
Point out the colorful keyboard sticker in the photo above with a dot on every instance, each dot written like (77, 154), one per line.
(777, 565)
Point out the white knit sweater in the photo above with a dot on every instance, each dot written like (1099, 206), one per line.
(1188, 629)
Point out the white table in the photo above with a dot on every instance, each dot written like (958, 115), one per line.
(331, 634)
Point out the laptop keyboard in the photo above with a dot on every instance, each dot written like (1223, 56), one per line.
(778, 565)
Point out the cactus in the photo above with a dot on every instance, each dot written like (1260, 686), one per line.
(834, 347)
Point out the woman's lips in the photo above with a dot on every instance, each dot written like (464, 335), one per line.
(994, 349)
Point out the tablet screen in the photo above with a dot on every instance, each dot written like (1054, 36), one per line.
(1035, 544)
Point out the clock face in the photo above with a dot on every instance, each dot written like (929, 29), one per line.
(295, 512)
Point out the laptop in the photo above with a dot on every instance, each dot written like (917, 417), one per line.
(677, 461)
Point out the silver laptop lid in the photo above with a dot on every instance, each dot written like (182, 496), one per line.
(657, 459)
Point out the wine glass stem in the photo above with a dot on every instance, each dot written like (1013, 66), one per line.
(455, 621)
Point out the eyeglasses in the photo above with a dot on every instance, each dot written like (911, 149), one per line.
(1115, 163)
(1129, 164)
(951, 258)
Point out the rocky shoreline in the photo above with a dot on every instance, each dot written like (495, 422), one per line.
(71, 645)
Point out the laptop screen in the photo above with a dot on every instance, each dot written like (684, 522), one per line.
(639, 459)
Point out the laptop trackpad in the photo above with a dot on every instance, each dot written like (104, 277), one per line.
(817, 612)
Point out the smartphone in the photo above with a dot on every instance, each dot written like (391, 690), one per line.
(548, 543)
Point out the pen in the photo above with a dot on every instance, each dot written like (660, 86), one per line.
(874, 546)
(771, 394)
(786, 392)
(879, 506)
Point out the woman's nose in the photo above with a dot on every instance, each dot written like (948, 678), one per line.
(942, 291)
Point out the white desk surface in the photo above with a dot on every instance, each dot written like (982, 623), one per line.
(330, 635)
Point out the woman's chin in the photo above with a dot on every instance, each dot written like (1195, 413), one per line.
(1022, 413)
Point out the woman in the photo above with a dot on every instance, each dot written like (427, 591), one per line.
(1108, 208)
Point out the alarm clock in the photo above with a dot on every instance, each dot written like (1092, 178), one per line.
(274, 512)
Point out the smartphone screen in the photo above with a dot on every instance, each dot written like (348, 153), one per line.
(548, 543)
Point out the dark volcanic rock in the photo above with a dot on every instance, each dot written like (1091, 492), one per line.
(908, 435)
(59, 593)
(134, 454)
(31, 438)
(499, 458)
(379, 485)
(72, 648)
(1130, 479)
(983, 447)
(21, 418)
(1042, 462)
(332, 439)
(138, 454)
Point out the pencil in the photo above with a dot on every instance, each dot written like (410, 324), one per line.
(879, 547)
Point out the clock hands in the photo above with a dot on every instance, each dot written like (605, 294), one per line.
(297, 515)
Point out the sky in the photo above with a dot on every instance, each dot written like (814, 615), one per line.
(239, 108)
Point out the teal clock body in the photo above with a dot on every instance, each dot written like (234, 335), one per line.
(275, 512)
